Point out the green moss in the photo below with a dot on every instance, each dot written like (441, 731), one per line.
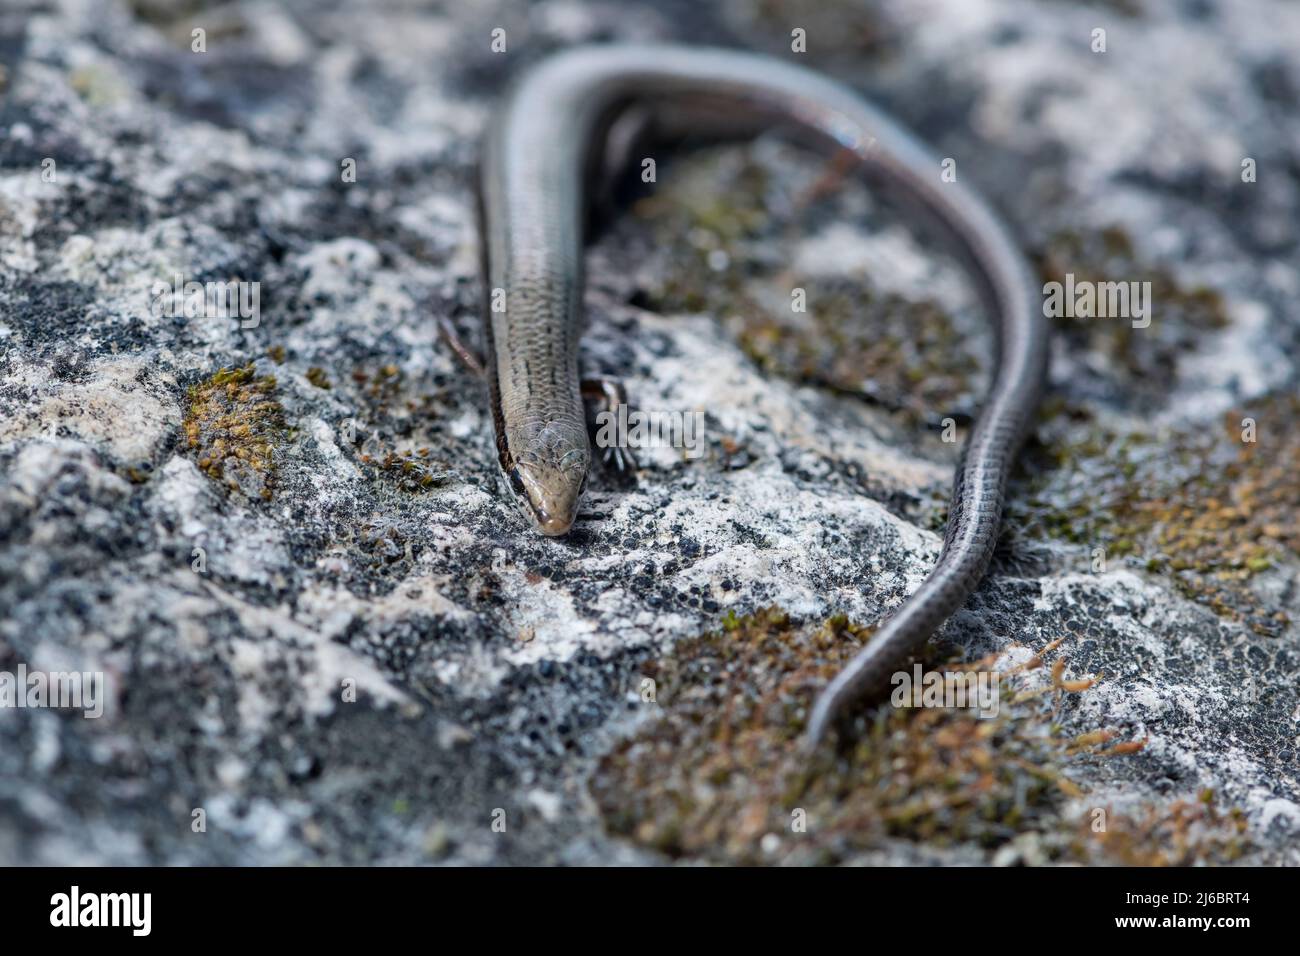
(392, 420)
(175, 19)
(1196, 503)
(1142, 362)
(1128, 8)
(704, 225)
(316, 375)
(862, 31)
(410, 470)
(720, 775)
(232, 427)
(1182, 833)
(164, 12)
(896, 352)
(904, 355)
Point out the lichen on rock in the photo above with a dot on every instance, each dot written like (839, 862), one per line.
(284, 544)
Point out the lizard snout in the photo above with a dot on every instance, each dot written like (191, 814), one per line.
(552, 488)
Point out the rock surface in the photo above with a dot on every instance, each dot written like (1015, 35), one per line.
(323, 626)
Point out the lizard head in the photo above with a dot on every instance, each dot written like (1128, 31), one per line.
(550, 477)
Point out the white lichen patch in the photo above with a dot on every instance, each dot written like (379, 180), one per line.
(119, 410)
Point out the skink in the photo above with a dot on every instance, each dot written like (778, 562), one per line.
(541, 158)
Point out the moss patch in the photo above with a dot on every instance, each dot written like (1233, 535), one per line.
(232, 427)
(1197, 504)
(175, 19)
(162, 12)
(411, 470)
(1128, 8)
(860, 30)
(392, 429)
(895, 352)
(1183, 833)
(904, 355)
(719, 776)
(1140, 362)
